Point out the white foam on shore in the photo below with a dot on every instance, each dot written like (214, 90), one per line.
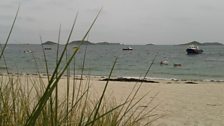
(127, 77)
(169, 79)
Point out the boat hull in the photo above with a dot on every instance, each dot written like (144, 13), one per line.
(127, 49)
(193, 51)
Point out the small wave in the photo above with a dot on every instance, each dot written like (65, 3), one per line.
(3, 68)
(188, 74)
(171, 79)
(214, 60)
(212, 80)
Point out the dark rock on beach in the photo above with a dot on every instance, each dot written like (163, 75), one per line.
(130, 80)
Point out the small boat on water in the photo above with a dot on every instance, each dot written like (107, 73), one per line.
(192, 49)
(27, 51)
(128, 48)
(47, 48)
(177, 65)
(164, 62)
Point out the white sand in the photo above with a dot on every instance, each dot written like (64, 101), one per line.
(182, 104)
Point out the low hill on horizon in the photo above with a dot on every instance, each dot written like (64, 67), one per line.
(202, 44)
(106, 43)
(49, 43)
(212, 43)
(150, 44)
(78, 42)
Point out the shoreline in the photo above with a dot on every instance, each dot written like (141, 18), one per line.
(125, 78)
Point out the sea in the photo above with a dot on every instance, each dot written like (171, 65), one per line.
(97, 60)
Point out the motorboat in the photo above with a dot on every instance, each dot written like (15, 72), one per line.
(128, 48)
(47, 48)
(177, 65)
(192, 49)
(164, 62)
(27, 51)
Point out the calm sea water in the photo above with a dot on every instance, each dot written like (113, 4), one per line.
(100, 58)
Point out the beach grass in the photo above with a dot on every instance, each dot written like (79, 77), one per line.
(36, 100)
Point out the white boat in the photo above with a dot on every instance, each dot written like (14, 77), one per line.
(128, 48)
(27, 51)
(164, 62)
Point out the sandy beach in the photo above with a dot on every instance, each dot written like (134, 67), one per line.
(181, 103)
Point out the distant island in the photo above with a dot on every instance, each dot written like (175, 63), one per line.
(150, 44)
(49, 43)
(202, 44)
(78, 42)
(212, 43)
(107, 43)
(91, 43)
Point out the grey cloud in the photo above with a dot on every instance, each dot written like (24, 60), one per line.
(122, 20)
(7, 6)
(7, 18)
(26, 19)
(58, 3)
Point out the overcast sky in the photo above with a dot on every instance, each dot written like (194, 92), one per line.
(122, 21)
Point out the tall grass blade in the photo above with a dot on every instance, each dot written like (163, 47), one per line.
(10, 32)
(56, 90)
(48, 78)
(83, 63)
(68, 83)
(84, 107)
(75, 105)
(103, 93)
(106, 113)
(53, 82)
(41, 103)
(45, 59)
(3, 56)
(149, 68)
(82, 72)
(130, 106)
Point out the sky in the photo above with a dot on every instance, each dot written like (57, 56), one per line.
(121, 21)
